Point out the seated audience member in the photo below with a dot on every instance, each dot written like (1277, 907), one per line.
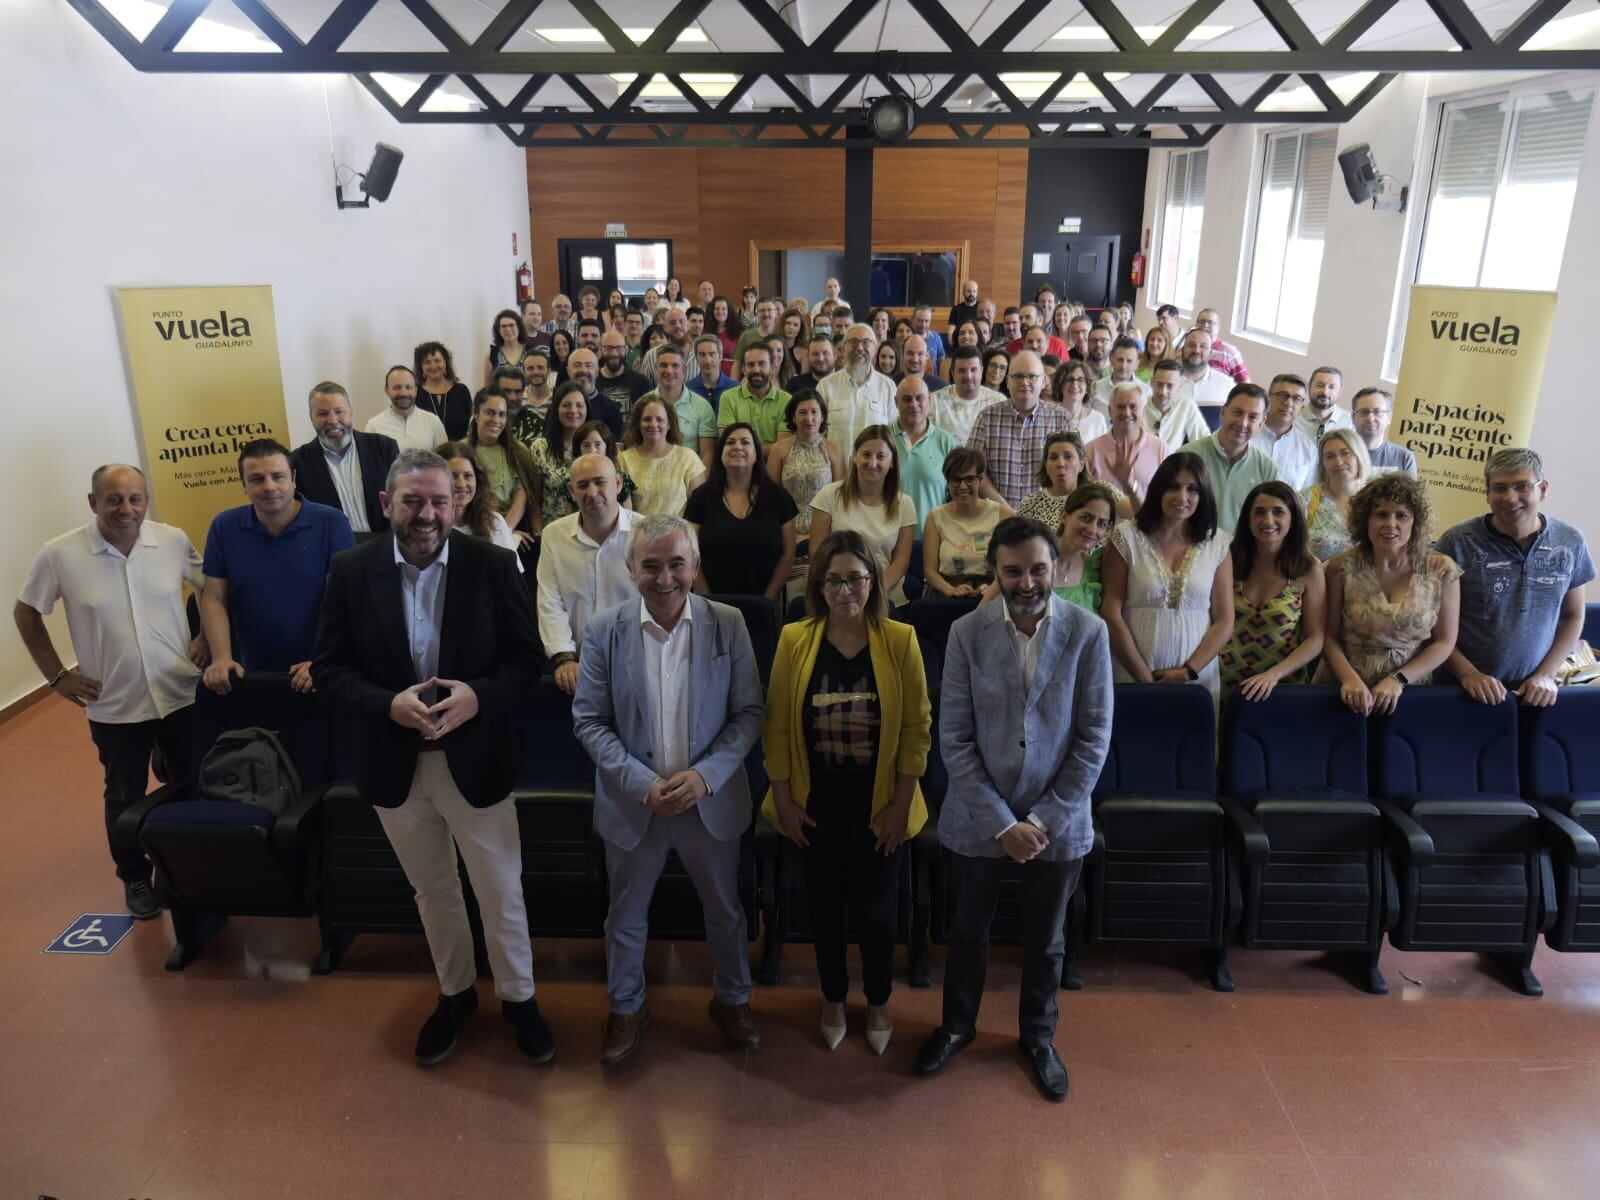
(410, 427)
(1012, 435)
(856, 395)
(1156, 347)
(508, 342)
(1078, 328)
(1128, 456)
(663, 469)
(1169, 583)
(1234, 463)
(1522, 581)
(996, 370)
(886, 360)
(1168, 413)
(472, 495)
(1281, 436)
(846, 739)
(748, 306)
(1208, 387)
(1278, 596)
(1323, 413)
(966, 334)
(882, 322)
(724, 326)
(1086, 521)
(675, 324)
(265, 566)
(1062, 472)
(1124, 369)
(744, 520)
(1171, 321)
(710, 379)
(668, 706)
(922, 327)
(1371, 411)
(1097, 353)
(595, 438)
(757, 401)
(920, 448)
(916, 363)
(955, 536)
(617, 382)
(1342, 471)
(342, 467)
(697, 420)
(589, 305)
(590, 330)
(756, 331)
(794, 359)
(511, 383)
(870, 501)
(515, 477)
(536, 395)
(121, 578)
(562, 345)
(583, 368)
(1071, 387)
(819, 360)
(1224, 357)
(533, 325)
(822, 326)
(1393, 604)
(441, 393)
(956, 407)
(583, 563)
(554, 450)
(805, 463)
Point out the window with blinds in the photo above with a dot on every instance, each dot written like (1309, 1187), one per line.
(1291, 223)
(1505, 175)
(1182, 213)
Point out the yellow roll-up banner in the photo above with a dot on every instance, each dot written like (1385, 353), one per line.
(206, 380)
(1469, 384)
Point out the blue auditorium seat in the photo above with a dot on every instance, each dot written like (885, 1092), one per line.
(1312, 845)
(1561, 778)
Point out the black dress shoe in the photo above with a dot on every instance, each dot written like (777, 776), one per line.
(1049, 1072)
(141, 900)
(940, 1047)
(534, 1039)
(438, 1036)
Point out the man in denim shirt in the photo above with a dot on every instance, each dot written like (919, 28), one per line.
(1521, 586)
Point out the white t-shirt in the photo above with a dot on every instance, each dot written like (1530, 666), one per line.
(418, 430)
(1210, 391)
(125, 615)
(874, 522)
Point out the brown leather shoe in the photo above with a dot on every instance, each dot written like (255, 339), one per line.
(737, 1023)
(623, 1031)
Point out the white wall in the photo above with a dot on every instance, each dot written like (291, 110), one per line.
(114, 178)
(1362, 280)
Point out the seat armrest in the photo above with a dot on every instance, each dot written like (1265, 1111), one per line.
(289, 827)
(1252, 836)
(1567, 838)
(131, 819)
(1413, 837)
(1157, 804)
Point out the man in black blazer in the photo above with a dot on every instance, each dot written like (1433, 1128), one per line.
(427, 642)
(342, 467)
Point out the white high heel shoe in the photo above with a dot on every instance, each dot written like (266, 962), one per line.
(832, 1035)
(878, 1039)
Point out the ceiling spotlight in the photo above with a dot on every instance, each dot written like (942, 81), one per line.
(891, 119)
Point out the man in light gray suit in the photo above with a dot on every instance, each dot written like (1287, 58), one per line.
(668, 703)
(1025, 722)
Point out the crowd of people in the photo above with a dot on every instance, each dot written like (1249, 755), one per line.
(1116, 506)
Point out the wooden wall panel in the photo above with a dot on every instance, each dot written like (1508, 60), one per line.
(713, 203)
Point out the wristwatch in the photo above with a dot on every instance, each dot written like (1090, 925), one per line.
(1400, 678)
(1191, 673)
(59, 676)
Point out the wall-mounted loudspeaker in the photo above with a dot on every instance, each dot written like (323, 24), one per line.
(1365, 182)
(378, 180)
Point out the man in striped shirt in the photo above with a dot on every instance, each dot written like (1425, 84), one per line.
(1224, 357)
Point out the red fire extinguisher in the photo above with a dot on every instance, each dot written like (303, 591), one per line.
(524, 282)
(1137, 271)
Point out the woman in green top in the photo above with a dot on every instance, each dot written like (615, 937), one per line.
(1087, 515)
(512, 475)
(1278, 595)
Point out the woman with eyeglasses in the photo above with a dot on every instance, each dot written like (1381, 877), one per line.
(955, 536)
(1073, 389)
(996, 371)
(846, 739)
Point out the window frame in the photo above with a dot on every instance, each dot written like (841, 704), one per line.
(1252, 230)
(1159, 293)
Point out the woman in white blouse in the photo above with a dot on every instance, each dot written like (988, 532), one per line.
(869, 501)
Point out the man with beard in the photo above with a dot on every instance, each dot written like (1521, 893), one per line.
(412, 428)
(529, 421)
(967, 310)
(342, 467)
(956, 407)
(620, 385)
(819, 363)
(1025, 721)
(583, 368)
(427, 644)
(757, 400)
(856, 395)
(1324, 412)
(1202, 382)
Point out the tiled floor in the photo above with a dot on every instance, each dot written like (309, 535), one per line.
(245, 1078)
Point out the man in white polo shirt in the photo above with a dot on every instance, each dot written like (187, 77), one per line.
(412, 428)
(122, 579)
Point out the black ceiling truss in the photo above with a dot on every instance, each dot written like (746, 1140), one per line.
(1111, 119)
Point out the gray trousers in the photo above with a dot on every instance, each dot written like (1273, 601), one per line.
(713, 866)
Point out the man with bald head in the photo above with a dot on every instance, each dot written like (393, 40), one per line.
(915, 363)
(857, 395)
(920, 447)
(583, 368)
(121, 578)
(1011, 433)
(583, 563)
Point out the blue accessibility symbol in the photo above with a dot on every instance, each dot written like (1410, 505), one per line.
(92, 933)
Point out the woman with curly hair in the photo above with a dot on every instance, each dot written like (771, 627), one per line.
(507, 343)
(439, 391)
(1393, 603)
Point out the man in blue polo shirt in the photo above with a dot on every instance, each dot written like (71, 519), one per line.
(1522, 577)
(266, 565)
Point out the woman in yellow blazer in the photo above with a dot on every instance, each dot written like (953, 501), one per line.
(846, 740)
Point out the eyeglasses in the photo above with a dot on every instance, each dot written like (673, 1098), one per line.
(964, 480)
(1297, 397)
(840, 583)
(857, 341)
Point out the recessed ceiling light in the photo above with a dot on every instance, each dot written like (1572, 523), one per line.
(1093, 33)
(638, 35)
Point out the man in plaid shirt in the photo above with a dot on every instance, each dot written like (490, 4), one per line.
(1011, 433)
(1224, 357)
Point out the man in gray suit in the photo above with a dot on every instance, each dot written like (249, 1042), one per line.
(668, 704)
(1025, 722)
